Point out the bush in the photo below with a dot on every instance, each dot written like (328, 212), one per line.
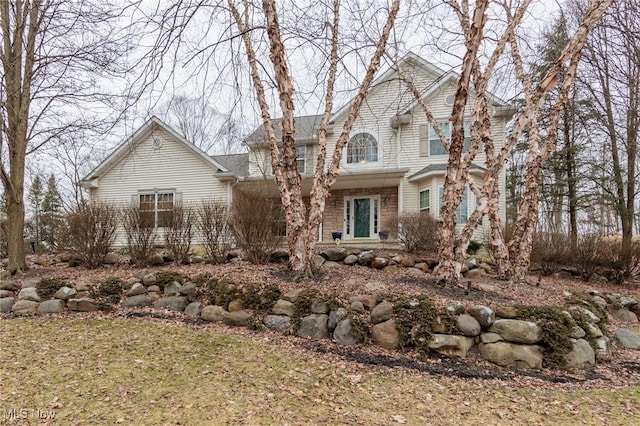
(179, 232)
(617, 264)
(52, 229)
(588, 254)
(47, 287)
(107, 293)
(550, 251)
(418, 231)
(213, 225)
(91, 232)
(254, 224)
(141, 234)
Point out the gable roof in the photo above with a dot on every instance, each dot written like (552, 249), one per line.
(238, 164)
(125, 148)
(306, 126)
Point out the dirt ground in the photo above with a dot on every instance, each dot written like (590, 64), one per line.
(343, 281)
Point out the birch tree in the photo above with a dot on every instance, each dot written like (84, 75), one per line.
(52, 55)
(302, 229)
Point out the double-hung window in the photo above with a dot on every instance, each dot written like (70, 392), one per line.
(425, 201)
(156, 208)
(431, 144)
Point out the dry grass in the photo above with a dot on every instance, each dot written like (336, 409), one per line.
(139, 371)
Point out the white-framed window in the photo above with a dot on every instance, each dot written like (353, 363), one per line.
(425, 201)
(301, 158)
(362, 149)
(462, 213)
(156, 207)
(430, 143)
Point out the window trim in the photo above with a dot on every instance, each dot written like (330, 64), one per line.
(428, 198)
(361, 164)
(427, 138)
(156, 195)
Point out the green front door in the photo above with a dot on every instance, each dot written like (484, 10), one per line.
(362, 217)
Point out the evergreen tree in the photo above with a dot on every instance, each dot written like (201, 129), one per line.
(35, 197)
(52, 201)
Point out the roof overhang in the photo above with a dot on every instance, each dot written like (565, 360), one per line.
(433, 170)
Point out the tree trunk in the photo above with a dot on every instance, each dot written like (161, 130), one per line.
(15, 215)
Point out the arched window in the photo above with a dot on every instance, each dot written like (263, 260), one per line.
(362, 148)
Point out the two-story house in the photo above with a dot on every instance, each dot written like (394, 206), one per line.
(393, 163)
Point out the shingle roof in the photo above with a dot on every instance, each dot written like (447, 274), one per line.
(238, 164)
(441, 167)
(305, 130)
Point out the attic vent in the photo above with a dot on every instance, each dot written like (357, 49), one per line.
(449, 100)
(156, 142)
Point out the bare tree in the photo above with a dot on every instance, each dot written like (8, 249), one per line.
(53, 55)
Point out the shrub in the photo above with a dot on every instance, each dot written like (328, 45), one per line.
(619, 265)
(179, 232)
(107, 293)
(255, 223)
(52, 229)
(418, 231)
(92, 232)
(47, 287)
(165, 277)
(141, 234)
(588, 254)
(213, 225)
(550, 251)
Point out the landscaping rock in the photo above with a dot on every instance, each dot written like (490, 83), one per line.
(422, 266)
(365, 258)
(82, 305)
(512, 355)
(331, 264)
(517, 331)
(451, 345)
(318, 261)
(603, 348)
(358, 307)
(484, 314)
(314, 326)
(29, 293)
(212, 313)
(65, 293)
(172, 288)
(628, 338)
(335, 317)
(594, 330)
(9, 285)
(41, 261)
(6, 293)
(335, 254)
(30, 283)
(455, 308)
(24, 306)
(414, 272)
(386, 334)
(140, 274)
(379, 262)
(197, 259)
(111, 259)
(475, 274)
(344, 333)
(283, 307)
(490, 338)
(292, 295)
(391, 269)
(579, 311)
(582, 354)
(319, 307)
(52, 306)
(137, 301)
(136, 290)
(154, 288)
(627, 302)
(350, 260)
(577, 333)
(193, 309)
(153, 296)
(156, 260)
(625, 315)
(236, 305)
(236, 319)
(172, 303)
(187, 289)
(83, 286)
(406, 262)
(279, 323)
(382, 312)
(6, 303)
(149, 279)
(468, 325)
(368, 300)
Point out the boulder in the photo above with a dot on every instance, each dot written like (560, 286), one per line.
(422, 266)
(594, 330)
(314, 326)
(335, 317)
(579, 311)
(212, 313)
(292, 295)
(136, 290)
(368, 300)
(9, 285)
(517, 331)
(24, 306)
(455, 308)
(475, 274)
(318, 261)
(407, 262)
(468, 325)
(172, 303)
(331, 264)
(235, 305)
(6, 293)
(172, 289)
(344, 334)
(111, 259)
(582, 354)
(625, 315)
(379, 262)
(386, 334)
(577, 333)
(187, 289)
(365, 258)
(391, 269)
(6, 303)
(603, 348)
(30, 283)
(627, 302)
(29, 293)
(137, 301)
(358, 307)
(484, 314)
(153, 288)
(140, 274)
(382, 312)
(283, 307)
(451, 345)
(350, 260)
(512, 355)
(156, 260)
(65, 293)
(627, 338)
(149, 280)
(83, 286)
(52, 306)
(236, 319)
(335, 254)
(279, 323)
(490, 338)
(193, 309)
(414, 272)
(319, 307)
(82, 305)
